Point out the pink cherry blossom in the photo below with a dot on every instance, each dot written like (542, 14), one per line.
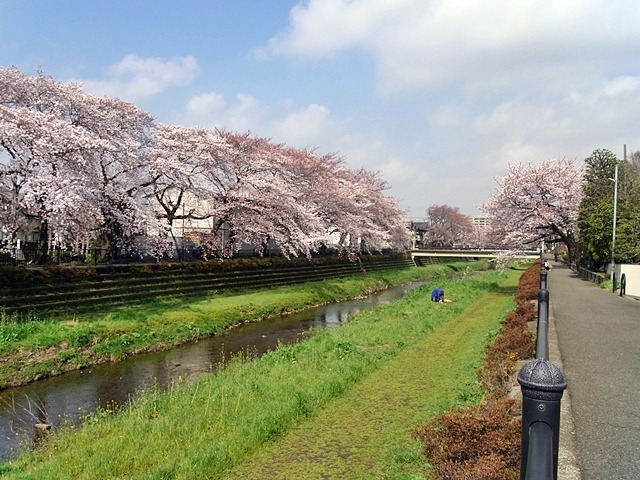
(536, 203)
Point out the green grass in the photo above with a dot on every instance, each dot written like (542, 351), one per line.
(606, 285)
(30, 344)
(342, 403)
(366, 433)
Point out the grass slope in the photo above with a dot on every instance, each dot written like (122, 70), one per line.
(349, 397)
(367, 432)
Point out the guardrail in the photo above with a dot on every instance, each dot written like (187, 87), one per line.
(595, 277)
(418, 253)
(599, 277)
(543, 385)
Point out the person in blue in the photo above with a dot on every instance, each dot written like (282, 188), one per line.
(437, 295)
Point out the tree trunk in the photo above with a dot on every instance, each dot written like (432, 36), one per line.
(43, 242)
(571, 249)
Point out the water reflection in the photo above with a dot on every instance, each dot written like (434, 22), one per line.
(71, 396)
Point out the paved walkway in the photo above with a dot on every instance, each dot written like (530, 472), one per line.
(597, 337)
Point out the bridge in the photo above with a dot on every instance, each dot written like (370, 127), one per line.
(421, 256)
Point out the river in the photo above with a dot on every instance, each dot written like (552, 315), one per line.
(70, 397)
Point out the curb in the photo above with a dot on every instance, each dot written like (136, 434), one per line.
(567, 460)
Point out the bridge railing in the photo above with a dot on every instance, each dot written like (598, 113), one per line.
(543, 385)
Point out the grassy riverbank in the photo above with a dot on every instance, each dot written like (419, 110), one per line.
(33, 346)
(339, 405)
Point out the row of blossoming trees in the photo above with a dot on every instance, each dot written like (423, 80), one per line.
(79, 166)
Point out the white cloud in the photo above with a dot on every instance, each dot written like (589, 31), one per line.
(308, 127)
(497, 120)
(596, 113)
(212, 110)
(205, 104)
(246, 114)
(622, 86)
(135, 78)
(418, 43)
(305, 128)
(350, 23)
(448, 117)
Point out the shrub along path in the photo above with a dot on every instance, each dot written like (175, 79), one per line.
(367, 433)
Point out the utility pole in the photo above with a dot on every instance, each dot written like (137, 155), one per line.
(615, 216)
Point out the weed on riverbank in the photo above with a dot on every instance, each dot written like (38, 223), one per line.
(205, 429)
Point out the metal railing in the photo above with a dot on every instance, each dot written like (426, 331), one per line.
(542, 385)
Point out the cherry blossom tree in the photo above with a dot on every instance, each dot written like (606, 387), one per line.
(252, 196)
(178, 160)
(539, 202)
(315, 180)
(43, 175)
(446, 226)
(382, 223)
(93, 166)
(264, 192)
(352, 205)
(123, 172)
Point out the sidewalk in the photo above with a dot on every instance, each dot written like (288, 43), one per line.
(595, 339)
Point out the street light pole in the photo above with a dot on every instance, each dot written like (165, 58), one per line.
(615, 216)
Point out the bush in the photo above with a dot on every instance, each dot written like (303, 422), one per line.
(529, 284)
(481, 442)
(521, 316)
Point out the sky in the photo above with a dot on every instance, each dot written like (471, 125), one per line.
(439, 96)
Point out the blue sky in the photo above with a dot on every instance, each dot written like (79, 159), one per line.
(439, 96)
